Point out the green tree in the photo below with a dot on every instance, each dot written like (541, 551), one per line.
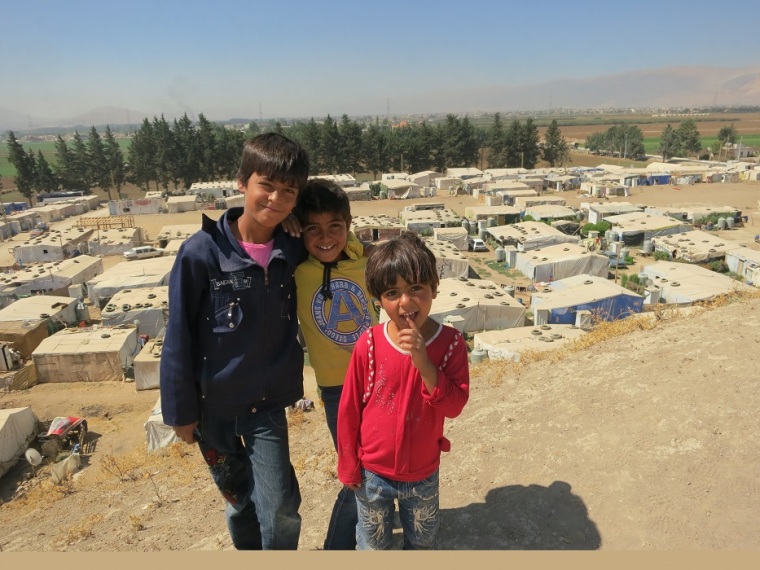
(141, 155)
(513, 145)
(83, 168)
(670, 145)
(206, 148)
(596, 142)
(688, 136)
(98, 164)
(556, 151)
(330, 146)
(313, 144)
(727, 134)
(166, 160)
(496, 141)
(66, 169)
(187, 166)
(529, 140)
(114, 161)
(25, 167)
(350, 152)
(375, 150)
(45, 180)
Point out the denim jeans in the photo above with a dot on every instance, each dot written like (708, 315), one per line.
(418, 509)
(249, 460)
(341, 532)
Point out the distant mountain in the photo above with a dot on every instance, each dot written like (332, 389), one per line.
(665, 88)
(100, 117)
(654, 88)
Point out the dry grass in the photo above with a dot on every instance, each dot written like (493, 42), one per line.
(80, 531)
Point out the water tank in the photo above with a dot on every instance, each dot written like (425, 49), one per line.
(466, 225)
(625, 252)
(730, 223)
(491, 221)
(482, 234)
(722, 223)
(510, 289)
(482, 225)
(383, 194)
(478, 355)
(501, 255)
(609, 236)
(647, 249)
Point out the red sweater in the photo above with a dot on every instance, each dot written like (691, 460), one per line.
(388, 422)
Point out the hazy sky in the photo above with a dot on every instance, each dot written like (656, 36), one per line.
(232, 58)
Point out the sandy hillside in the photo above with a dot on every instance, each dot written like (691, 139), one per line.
(648, 440)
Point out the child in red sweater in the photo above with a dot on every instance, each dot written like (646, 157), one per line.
(405, 377)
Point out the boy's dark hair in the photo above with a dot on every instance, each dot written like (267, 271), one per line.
(320, 196)
(405, 256)
(275, 156)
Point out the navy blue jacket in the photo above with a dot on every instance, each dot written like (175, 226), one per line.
(231, 343)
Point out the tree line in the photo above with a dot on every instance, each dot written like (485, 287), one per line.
(627, 141)
(164, 155)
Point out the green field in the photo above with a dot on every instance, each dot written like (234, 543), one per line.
(652, 145)
(48, 151)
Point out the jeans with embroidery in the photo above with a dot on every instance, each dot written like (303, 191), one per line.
(341, 532)
(418, 509)
(249, 460)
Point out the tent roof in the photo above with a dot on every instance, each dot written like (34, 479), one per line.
(84, 341)
(30, 308)
(686, 283)
(577, 290)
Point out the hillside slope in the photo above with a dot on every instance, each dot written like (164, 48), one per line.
(645, 441)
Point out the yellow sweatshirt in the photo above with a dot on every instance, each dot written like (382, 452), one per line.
(331, 327)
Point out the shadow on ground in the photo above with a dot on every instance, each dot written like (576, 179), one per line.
(521, 518)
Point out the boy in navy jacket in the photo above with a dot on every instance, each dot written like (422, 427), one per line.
(231, 362)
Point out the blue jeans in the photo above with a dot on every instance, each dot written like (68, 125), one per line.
(418, 507)
(341, 532)
(249, 460)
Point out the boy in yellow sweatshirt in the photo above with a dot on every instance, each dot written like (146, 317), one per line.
(334, 309)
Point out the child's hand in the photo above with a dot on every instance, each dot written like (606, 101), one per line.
(411, 340)
(292, 226)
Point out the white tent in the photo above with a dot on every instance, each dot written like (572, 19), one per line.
(509, 344)
(18, 427)
(684, 284)
(139, 273)
(148, 305)
(526, 236)
(157, 433)
(147, 365)
(449, 262)
(86, 355)
(561, 261)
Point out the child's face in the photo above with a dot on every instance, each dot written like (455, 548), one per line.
(267, 202)
(408, 301)
(325, 235)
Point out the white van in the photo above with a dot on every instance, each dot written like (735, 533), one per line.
(476, 244)
(143, 252)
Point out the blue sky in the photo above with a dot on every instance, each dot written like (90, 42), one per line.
(310, 58)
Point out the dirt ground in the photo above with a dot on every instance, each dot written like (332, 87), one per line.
(645, 441)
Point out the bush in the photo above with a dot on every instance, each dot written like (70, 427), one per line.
(661, 255)
(601, 227)
(719, 266)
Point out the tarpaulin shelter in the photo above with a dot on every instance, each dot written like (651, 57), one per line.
(18, 428)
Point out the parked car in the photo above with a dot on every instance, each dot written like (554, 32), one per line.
(143, 252)
(476, 244)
